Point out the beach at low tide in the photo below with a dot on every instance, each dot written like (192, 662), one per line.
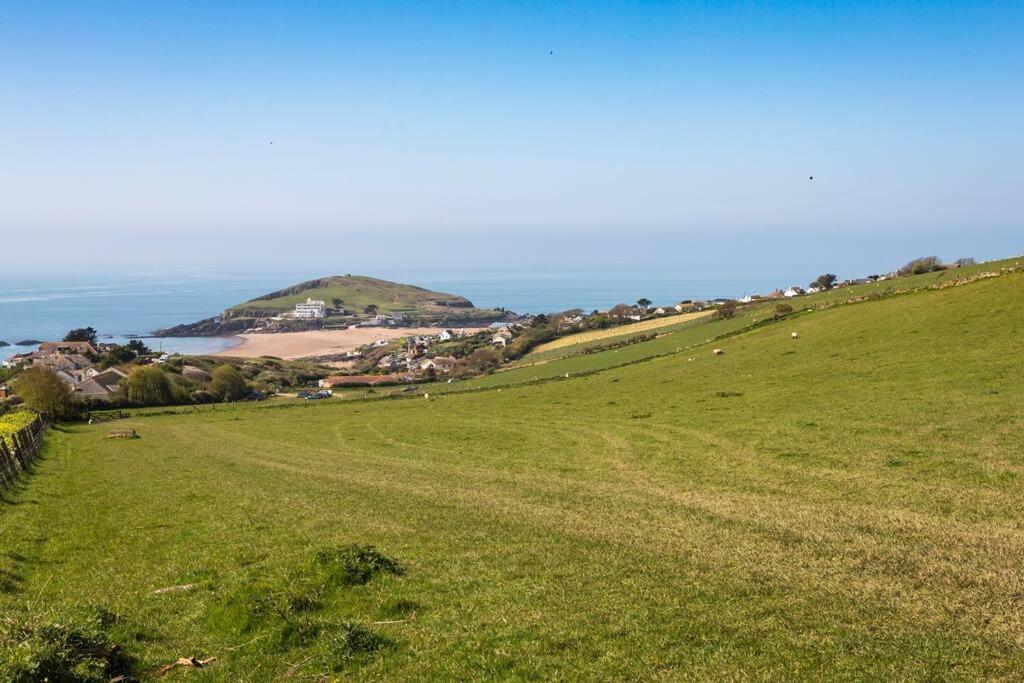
(292, 345)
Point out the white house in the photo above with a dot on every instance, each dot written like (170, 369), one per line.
(498, 340)
(793, 291)
(311, 309)
(746, 300)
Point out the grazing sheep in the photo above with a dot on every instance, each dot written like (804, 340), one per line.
(794, 335)
(718, 352)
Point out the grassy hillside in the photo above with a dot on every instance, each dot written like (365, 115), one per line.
(357, 292)
(842, 505)
(655, 325)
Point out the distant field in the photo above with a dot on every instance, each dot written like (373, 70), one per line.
(624, 331)
(845, 506)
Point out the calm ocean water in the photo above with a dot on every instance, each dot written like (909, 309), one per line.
(121, 305)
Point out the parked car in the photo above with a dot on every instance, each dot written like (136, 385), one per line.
(318, 395)
(305, 393)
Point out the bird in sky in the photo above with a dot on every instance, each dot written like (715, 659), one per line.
(811, 178)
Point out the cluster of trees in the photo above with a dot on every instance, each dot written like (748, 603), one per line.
(146, 385)
(925, 264)
(826, 281)
(149, 385)
(81, 334)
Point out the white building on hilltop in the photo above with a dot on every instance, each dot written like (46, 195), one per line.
(310, 309)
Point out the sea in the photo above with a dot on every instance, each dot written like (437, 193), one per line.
(121, 306)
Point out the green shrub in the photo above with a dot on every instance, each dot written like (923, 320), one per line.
(726, 310)
(782, 309)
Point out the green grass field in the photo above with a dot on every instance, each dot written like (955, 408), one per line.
(845, 505)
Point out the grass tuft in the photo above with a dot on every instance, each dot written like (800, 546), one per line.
(71, 645)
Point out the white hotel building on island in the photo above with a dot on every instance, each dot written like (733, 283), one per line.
(310, 309)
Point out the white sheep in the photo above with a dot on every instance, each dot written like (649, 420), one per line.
(794, 335)
(718, 352)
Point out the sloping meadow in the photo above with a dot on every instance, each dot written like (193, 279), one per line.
(844, 503)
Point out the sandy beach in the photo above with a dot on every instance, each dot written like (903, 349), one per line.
(292, 345)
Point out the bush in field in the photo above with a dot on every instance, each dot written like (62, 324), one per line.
(229, 383)
(782, 310)
(726, 310)
(148, 386)
(42, 389)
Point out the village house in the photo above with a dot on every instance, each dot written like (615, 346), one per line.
(101, 386)
(688, 306)
(793, 291)
(79, 347)
(499, 341)
(442, 365)
(18, 359)
(312, 308)
(72, 368)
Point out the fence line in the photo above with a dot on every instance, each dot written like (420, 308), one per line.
(19, 450)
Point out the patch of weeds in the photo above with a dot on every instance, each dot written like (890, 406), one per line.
(639, 416)
(354, 565)
(893, 462)
(728, 394)
(71, 645)
(788, 353)
(343, 643)
(806, 423)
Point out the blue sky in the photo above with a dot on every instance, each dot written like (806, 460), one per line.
(405, 132)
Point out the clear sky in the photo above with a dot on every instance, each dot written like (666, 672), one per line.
(140, 133)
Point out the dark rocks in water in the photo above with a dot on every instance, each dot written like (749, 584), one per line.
(3, 344)
(210, 327)
(28, 342)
